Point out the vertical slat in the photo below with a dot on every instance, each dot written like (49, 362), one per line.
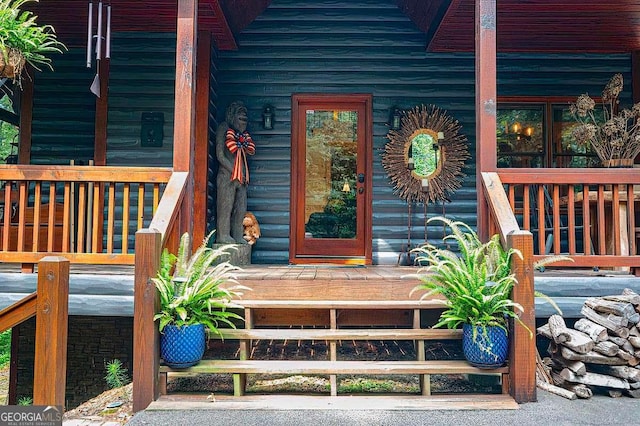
(631, 217)
(66, 223)
(146, 303)
(425, 379)
(586, 220)
(22, 210)
(240, 380)
(556, 219)
(526, 210)
(51, 225)
(52, 313)
(8, 214)
(333, 352)
(96, 223)
(140, 206)
(82, 214)
(156, 197)
(37, 204)
(125, 217)
(615, 219)
(111, 212)
(571, 220)
(601, 225)
(512, 197)
(542, 232)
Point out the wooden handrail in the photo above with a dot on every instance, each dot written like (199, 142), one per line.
(522, 353)
(19, 172)
(588, 176)
(167, 212)
(18, 312)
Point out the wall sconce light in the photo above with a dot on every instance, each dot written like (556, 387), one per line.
(396, 114)
(521, 132)
(267, 117)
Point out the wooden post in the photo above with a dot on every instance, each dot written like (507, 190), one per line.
(201, 161)
(522, 350)
(185, 102)
(26, 119)
(486, 104)
(52, 313)
(146, 338)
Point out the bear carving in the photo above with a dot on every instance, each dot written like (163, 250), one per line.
(251, 228)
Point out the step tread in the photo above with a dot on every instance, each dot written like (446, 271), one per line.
(339, 334)
(342, 304)
(341, 402)
(333, 367)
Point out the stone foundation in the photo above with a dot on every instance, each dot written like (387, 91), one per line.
(92, 342)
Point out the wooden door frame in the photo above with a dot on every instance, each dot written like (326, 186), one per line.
(296, 182)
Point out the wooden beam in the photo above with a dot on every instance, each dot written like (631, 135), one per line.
(486, 95)
(26, 119)
(201, 166)
(50, 365)
(522, 351)
(146, 338)
(185, 102)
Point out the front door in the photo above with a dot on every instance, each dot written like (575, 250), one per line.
(331, 161)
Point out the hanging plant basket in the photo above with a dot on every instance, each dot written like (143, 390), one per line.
(11, 63)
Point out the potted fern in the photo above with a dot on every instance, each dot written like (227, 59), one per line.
(23, 40)
(476, 285)
(196, 292)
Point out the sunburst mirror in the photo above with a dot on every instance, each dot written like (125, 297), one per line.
(425, 156)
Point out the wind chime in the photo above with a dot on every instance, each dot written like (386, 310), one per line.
(103, 33)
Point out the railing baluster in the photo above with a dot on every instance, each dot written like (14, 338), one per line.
(542, 237)
(22, 211)
(571, 220)
(97, 207)
(601, 228)
(526, 208)
(586, 220)
(111, 211)
(556, 219)
(125, 217)
(8, 214)
(615, 219)
(140, 206)
(82, 216)
(37, 204)
(631, 220)
(51, 224)
(67, 220)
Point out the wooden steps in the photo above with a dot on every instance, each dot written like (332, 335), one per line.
(267, 320)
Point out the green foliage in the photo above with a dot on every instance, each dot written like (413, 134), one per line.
(5, 348)
(19, 32)
(8, 131)
(25, 400)
(116, 374)
(196, 293)
(476, 284)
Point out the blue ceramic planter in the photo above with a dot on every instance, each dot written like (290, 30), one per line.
(486, 350)
(182, 347)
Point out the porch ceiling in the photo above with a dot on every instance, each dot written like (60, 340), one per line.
(546, 26)
(526, 26)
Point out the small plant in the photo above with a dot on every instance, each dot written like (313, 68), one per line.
(116, 374)
(5, 348)
(25, 400)
(23, 40)
(476, 284)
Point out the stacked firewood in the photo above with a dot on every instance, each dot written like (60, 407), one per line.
(600, 353)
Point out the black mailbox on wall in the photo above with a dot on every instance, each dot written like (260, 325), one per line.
(151, 128)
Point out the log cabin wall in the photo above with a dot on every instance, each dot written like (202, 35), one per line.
(369, 46)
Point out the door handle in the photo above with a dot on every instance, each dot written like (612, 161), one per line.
(360, 177)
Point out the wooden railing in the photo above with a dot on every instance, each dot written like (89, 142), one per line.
(50, 305)
(589, 214)
(163, 231)
(88, 214)
(522, 350)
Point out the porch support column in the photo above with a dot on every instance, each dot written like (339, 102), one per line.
(486, 103)
(184, 133)
(201, 161)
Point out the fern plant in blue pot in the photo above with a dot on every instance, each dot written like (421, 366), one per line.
(196, 293)
(476, 284)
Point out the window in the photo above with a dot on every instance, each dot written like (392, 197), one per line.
(537, 133)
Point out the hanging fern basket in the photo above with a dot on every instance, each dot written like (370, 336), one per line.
(11, 63)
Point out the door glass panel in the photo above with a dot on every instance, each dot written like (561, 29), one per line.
(330, 180)
(520, 136)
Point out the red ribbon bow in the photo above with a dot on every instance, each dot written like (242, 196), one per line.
(241, 145)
